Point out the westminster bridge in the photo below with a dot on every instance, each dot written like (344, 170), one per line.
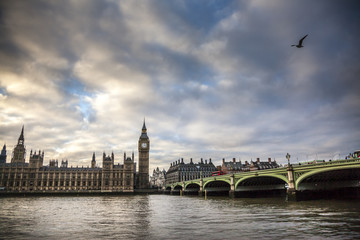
(292, 180)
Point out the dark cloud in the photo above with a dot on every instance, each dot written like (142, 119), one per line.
(214, 78)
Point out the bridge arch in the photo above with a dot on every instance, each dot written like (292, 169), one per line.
(216, 180)
(192, 188)
(192, 185)
(281, 177)
(315, 172)
(217, 187)
(177, 188)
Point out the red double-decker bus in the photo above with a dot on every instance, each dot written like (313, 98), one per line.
(217, 173)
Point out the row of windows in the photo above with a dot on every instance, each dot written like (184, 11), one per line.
(46, 175)
(73, 188)
(55, 170)
(197, 169)
(62, 183)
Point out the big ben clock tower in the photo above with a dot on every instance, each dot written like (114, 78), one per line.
(144, 148)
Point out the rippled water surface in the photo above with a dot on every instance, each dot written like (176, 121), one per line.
(175, 217)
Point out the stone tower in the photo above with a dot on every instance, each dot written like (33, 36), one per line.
(128, 174)
(144, 148)
(3, 154)
(107, 172)
(19, 152)
(36, 160)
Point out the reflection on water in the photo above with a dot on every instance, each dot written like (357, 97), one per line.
(175, 217)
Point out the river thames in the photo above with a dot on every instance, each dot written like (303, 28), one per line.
(175, 217)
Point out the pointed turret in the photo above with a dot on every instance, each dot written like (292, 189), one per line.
(3, 154)
(93, 161)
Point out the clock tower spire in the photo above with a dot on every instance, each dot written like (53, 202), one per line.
(144, 148)
(19, 151)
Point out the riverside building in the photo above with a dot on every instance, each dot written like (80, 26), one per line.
(32, 176)
(180, 171)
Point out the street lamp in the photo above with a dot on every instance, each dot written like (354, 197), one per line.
(288, 158)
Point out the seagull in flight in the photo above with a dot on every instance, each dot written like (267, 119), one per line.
(300, 42)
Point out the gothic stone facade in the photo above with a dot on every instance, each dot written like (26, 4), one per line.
(20, 176)
(157, 180)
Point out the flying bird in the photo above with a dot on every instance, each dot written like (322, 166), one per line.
(300, 42)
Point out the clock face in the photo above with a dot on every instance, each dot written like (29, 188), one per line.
(143, 145)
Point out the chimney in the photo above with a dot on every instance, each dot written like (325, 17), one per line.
(257, 159)
(269, 159)
(234, 160)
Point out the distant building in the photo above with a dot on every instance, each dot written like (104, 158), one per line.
(234, 167)
(19, 176)
(180, 171)
(157, 180)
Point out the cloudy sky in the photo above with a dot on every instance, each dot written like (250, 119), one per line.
(213, 79)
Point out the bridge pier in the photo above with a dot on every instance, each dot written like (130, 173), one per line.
(232, 186)
(201, 193)
(291, 193)
(232, 194)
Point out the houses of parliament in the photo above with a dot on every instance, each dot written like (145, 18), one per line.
(33, 176)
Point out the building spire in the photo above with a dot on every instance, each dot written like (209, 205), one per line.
(144, 126)
(21, 138)
(144, 132)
